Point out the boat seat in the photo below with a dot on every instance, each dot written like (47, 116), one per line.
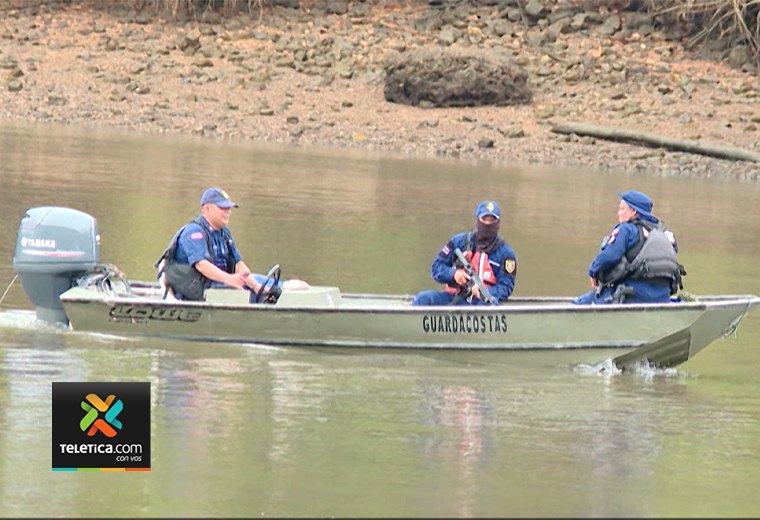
(228, 295)
(314, 296)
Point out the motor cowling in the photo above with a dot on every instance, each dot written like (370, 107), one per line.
(54, 247)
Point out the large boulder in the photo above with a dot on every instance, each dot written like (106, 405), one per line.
(454, 77)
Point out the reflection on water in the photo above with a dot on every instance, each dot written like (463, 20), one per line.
(250, 430)
(461, 418)
(618, 450)
(298, 390)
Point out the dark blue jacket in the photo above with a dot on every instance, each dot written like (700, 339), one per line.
(623, 237)
(503, 262)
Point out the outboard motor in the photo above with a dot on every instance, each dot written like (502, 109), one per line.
(54, 247)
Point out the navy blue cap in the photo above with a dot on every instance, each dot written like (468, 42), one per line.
(488, 207)
(638, 201)
(218, 197)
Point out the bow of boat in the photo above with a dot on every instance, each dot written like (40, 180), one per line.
(720, 319)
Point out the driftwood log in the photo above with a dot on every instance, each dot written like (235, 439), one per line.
(648, 139)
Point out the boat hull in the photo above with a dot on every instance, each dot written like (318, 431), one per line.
(376, 321)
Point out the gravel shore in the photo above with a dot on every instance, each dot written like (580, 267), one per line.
(314, 77)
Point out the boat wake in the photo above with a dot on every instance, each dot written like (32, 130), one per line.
(104, 338)
(261, 346)
(641, 369)
(603, 368)
(27, 320)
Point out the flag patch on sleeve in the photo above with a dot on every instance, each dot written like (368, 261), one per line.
(196, 236)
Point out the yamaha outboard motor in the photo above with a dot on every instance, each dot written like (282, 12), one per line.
(54, 247)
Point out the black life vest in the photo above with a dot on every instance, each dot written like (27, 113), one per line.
(185, 279)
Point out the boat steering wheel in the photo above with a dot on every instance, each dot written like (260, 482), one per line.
(271, 296)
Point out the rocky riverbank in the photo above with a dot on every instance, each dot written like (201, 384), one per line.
(314, 76)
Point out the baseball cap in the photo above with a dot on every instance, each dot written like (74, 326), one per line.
(217, 197)
(488, 207)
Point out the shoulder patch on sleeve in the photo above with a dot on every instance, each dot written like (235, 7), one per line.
(196, 236)
(510, 266)
(445, 251)
(613, 234)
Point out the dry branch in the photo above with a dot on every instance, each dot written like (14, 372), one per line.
(732, 20)
(649, 139)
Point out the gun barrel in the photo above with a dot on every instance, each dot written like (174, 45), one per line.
(469, 269)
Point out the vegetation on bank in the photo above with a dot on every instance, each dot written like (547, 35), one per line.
(735, 21)
(726, 22)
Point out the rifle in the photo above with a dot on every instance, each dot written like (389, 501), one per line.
(485, 294)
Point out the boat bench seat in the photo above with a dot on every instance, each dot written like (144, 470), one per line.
(229, 295)
(315, 296)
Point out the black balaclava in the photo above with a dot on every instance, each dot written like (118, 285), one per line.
(485, 234)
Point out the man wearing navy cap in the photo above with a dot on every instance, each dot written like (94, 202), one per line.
(491, 257)
(638, 259)
(203, 254)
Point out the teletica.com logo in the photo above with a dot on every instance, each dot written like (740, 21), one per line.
(92, 423)
(94, 430)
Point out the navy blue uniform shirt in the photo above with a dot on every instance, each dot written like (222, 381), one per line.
(502, 259)
(192, 246)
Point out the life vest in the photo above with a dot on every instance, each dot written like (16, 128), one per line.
(653, 259)
(480, 263)
(185, 279)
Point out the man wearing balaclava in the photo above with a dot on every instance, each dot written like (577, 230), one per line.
(486, 253)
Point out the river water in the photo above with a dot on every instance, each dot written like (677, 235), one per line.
(256, 431)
